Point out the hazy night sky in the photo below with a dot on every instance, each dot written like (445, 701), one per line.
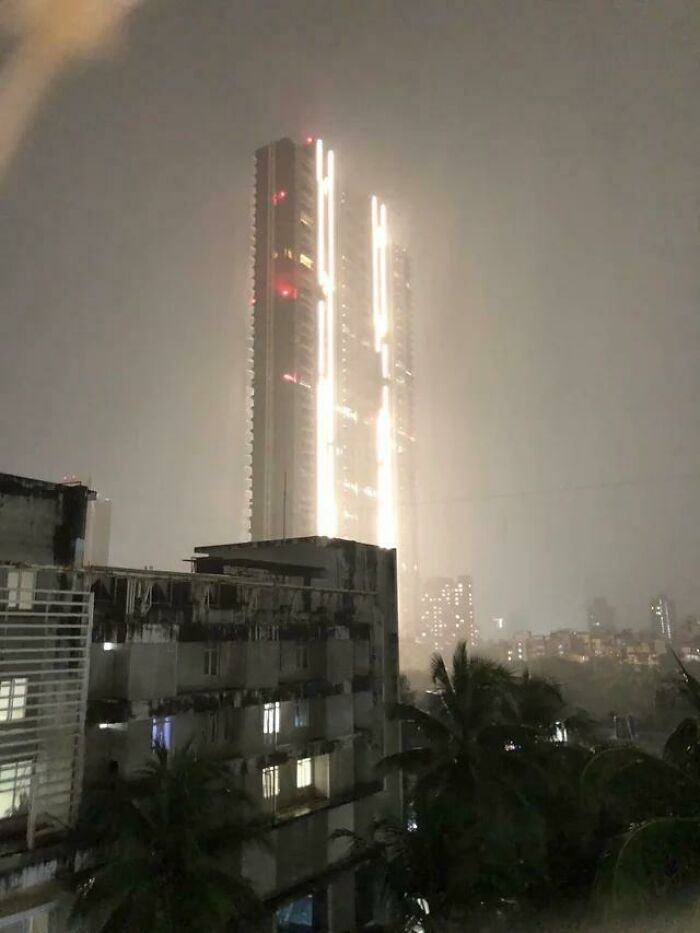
(544, 156)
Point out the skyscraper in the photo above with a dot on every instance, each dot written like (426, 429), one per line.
(332, 359)
(662, 617)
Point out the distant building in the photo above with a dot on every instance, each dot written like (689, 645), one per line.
(601, 617)
(98, 532)
(42, 522)
(279, 657)
(447, 614)
(662, 617)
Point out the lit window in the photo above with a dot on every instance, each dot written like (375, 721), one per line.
(302, 657)
(271, 719)
(212, 660)
(13, 699)
(303, 772)
(20, 589)
(15, 786)
(270, 782)
(306, 260)
(162, 732)
(301, 714)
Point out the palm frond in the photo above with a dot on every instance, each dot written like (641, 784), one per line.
(692, 685)
(432, 728)
(411, 760)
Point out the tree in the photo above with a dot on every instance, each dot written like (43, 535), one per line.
(478, 840)
(653, 857)
(163, 849)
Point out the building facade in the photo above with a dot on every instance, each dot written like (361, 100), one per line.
(601, 617)
(662, 623)
(332, 424)
(447, 614)
(42, 522)
(279, 658)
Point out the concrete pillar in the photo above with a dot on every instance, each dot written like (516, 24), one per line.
(341, 903)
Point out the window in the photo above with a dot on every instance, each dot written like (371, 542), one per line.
(212, 660)
(20, 589)
(162, 733)
(270, 782)
(301, 714)
(304, 772)
(13, 699)
(306, 260)
(271, 719)
(297, 916)
(302, 657)
(15, 786)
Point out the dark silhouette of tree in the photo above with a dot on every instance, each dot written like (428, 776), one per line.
(488, 794)
(653, 860)
(162, 851)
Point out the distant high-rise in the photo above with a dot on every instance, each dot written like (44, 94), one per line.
(98, 531)
(662, 617)
(447, 614)
(332, 359)
(601, 617)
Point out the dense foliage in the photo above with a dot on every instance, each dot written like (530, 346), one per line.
(520, 817)
(163, 849)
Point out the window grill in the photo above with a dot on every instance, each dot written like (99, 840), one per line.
(44, 656)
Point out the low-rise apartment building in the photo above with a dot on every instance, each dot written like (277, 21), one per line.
(279, 658)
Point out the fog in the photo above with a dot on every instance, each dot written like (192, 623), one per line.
(543, 158)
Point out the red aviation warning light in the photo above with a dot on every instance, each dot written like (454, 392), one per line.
(286, 289)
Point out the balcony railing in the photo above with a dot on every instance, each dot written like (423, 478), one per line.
(44, 656)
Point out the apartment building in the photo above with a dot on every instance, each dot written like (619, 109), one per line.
(276, 657)
(280, 658)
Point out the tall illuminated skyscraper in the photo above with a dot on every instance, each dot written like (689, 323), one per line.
(332, 358)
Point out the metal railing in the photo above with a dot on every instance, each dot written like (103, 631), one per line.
(45, 637)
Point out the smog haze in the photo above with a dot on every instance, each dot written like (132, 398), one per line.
(543, 159)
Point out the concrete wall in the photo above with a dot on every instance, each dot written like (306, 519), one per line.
(41, 523)
(341, 903)
(339, 716)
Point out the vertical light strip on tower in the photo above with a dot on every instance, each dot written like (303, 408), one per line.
(326, 509)
(386, 503)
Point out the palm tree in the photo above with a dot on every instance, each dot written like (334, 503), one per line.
(478, 838)
(164, 849)
(652, 806)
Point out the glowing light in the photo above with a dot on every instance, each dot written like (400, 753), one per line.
(308, 141)
(285, 290)
(326, 506)
(386, 504)
(289, 377)
(278, 196)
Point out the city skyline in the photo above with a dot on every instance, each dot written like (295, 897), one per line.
(547, 204)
